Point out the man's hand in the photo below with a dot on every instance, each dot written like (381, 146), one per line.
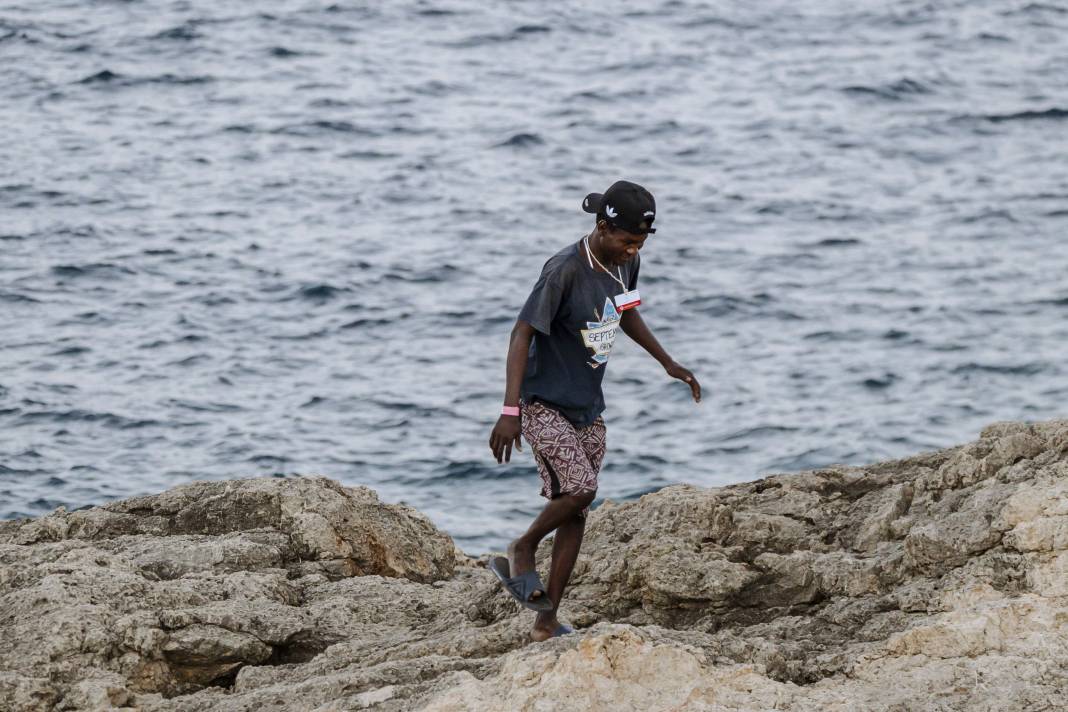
(675, 370)
(634, 326)
(505, 432)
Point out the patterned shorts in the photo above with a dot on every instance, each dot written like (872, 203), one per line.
(568, 458)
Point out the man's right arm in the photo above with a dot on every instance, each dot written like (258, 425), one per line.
(507, 430)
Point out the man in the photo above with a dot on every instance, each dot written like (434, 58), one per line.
(556, 361)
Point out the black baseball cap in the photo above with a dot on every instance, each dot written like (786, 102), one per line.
(625, 205)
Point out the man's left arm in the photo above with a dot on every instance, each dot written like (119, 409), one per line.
(634, 326)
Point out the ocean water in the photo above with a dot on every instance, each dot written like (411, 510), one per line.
(291, 238)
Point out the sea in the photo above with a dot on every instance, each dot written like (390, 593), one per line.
(290, 238)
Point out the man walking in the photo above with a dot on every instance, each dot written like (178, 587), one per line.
(557, 355)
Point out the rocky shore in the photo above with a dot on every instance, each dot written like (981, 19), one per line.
(937, 582)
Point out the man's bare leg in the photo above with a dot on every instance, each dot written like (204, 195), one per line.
(566, 544)
(557, 512)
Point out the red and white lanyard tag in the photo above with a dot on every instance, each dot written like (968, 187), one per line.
(629, 298)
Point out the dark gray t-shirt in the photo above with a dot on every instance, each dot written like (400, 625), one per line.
(572, 308)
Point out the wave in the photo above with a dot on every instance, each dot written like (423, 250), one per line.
(285, 52)
(15, 297)
(320, 293)
(837, 242)
(834, 336)
(522, 140)
(880, 383)
(724, 304)
(78, 415)
(1055, 113)
(1052, 302)
(368, 322)
(316, 128)
(762, 431)
(90, 270)
(185, 32)
(368, 155)
(1023, 369)
(72, 351)
(480, 471)
(902, 89)
(108, 77)
(482, 40)
(1036, 8)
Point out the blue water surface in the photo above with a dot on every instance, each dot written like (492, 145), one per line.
(290, 238)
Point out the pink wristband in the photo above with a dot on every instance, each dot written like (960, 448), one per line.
(510, 410)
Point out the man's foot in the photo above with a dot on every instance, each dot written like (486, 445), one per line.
(520, 561)
(545, 624)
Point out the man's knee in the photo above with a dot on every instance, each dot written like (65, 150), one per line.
(585, 498)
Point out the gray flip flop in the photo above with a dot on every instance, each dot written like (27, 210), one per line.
(563, 630)
(522, 586)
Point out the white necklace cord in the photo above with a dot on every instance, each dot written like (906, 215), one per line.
(589, 254)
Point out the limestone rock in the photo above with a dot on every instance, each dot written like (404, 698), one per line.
(169, 593)
(935, 582)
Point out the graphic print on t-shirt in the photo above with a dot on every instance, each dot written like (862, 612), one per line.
(600, 335)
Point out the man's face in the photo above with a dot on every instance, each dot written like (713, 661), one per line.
(621, 245)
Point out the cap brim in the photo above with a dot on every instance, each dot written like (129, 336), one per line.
(592, 202)
(632, 229)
